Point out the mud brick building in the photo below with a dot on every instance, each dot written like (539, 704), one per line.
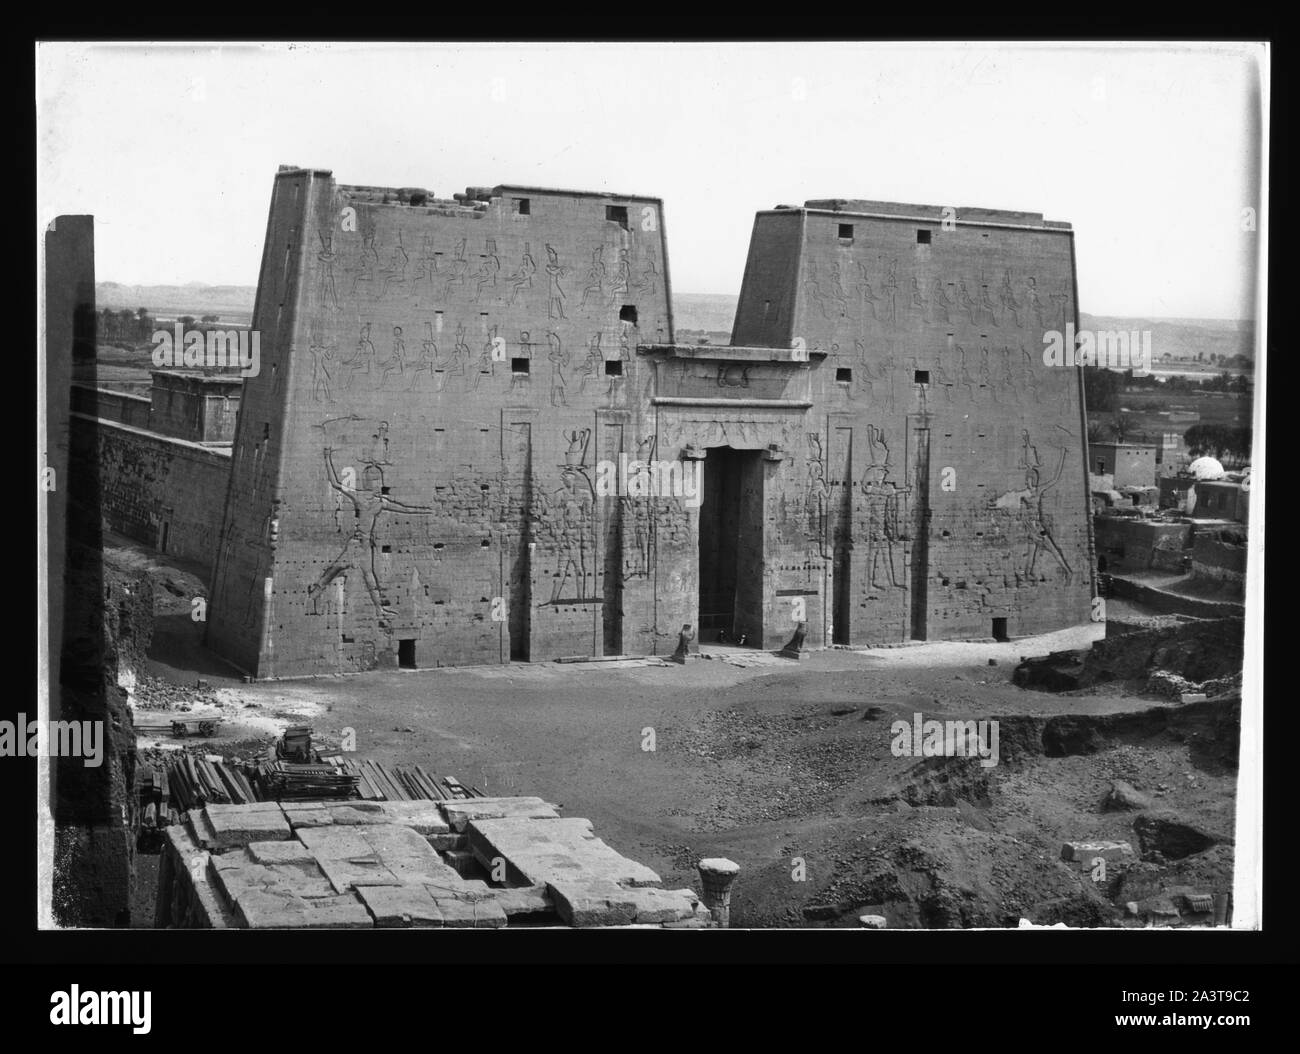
(420, 469)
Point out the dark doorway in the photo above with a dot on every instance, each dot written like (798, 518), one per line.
(406, 654)
(1000, 629)
(731, 548)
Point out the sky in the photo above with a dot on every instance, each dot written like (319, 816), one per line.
(1151, 151)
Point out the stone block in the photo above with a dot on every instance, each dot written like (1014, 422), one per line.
(583, 902)
(469, 911)
(335, 843)
(446, 843)
(459, 814)
(280, 909)
(203, 834)
(524, 900)
(422, 816)
(191, 867)
(400, 906)
(307, 815)
(409, 856)
(1085, 852)
(663, 905)
(236, 875)
(237, 825)
(290, 852)
(355, 872)
(554, 849)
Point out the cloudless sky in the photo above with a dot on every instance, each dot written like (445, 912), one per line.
(1150, 151)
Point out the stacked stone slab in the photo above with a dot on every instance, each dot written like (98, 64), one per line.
(375, 864)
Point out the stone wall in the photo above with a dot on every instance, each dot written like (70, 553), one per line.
(1131, 544)
(1131, 465)
(415, 461)
(945, 461)
(164, 492)
(111, 406)
(194, 406)
(416, 468)
(1220, 556)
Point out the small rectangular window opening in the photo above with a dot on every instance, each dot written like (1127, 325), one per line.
(627, 313)
(922, 237)
(617, 214)
(519, 366)
(846, 231)
(843, 375)
(613, 367)
(921, 377)
(525, 206)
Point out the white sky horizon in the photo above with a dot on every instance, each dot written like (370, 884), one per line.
(1150, 151)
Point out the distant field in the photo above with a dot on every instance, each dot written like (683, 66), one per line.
(230, 303)
(1145, 423)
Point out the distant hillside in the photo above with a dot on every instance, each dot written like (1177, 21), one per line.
(230, 302)
(1184, 337)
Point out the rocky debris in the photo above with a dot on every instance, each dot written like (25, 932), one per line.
(1172, 686)
(1195, 649)
(1061, 671)
(1123, 796)
(153, 693)
(1208, 726)
(805, 751)
(942, 781)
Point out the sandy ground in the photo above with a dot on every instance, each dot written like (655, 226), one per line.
(785, 767)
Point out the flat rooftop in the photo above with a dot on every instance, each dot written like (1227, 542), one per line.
(424, 196)
(971, 214)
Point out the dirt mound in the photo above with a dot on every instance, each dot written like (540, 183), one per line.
(941, 781)
(926, 868)
(1210, 727)
(1195, 650)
